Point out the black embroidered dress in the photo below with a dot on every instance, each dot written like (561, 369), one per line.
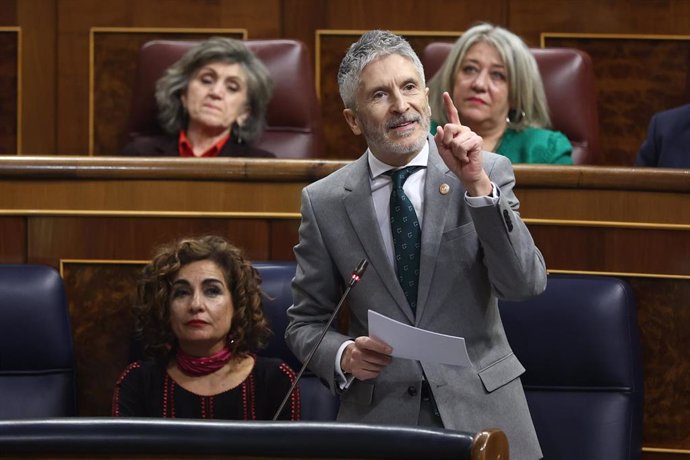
(146, 390)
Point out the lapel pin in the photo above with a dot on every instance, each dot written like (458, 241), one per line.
(444, 189)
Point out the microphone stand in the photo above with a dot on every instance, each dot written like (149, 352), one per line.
(356, 276)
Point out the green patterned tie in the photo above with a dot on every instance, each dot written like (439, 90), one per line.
(407, 236)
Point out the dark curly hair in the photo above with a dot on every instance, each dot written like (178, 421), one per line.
(249, 328)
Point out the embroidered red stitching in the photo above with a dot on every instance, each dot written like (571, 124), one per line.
(295, 400)
(115, 409)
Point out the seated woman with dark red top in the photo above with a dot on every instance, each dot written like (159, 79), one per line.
(200, 319)
(212, 102)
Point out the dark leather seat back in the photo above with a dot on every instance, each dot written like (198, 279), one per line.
(294, 128)
(570, 88)
(124, 438)
(580, 344)
(37, 377)
(317, 401)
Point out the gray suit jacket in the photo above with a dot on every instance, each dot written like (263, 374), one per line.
(470, 257)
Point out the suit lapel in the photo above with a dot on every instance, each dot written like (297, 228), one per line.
(435, 213)
(360, 210)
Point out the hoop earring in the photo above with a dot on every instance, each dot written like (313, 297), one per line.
(515, 116)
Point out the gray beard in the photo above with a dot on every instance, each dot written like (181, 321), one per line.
(378, 142)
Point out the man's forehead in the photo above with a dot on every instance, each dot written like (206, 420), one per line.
(389, 67)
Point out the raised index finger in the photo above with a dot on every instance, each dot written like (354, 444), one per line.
(451, 110)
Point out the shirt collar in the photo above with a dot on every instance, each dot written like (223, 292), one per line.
(184, 147)
(378, 167)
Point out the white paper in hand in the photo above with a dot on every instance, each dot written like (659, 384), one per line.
(418, 344)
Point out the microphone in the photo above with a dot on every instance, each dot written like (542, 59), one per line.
(354, 279)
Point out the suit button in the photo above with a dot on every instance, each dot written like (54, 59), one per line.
(412, 390)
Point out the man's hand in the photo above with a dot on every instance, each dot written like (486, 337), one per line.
(461, 150)
(365, 358)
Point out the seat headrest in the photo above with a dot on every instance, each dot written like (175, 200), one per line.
(37, 333)
(590, 326)
(276, 282)
(293, 118)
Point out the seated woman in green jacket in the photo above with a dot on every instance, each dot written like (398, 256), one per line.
(495, 84)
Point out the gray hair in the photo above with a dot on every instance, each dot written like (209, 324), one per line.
(525, 87)
(171, 86)
(371, 46)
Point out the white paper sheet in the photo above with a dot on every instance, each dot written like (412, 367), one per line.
(419, 344)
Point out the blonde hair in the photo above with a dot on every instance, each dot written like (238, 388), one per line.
(525, 87)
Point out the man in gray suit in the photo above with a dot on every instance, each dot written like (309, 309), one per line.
(474, 249)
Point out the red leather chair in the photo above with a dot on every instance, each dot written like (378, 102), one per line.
(294, 128)
(570, 92)
(276, 277)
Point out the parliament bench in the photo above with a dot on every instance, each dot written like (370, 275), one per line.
(87, 437)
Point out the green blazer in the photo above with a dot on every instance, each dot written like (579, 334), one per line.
(533, 145)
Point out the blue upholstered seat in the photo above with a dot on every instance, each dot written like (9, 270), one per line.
(37, 377)
(579, 342)
(317, 401)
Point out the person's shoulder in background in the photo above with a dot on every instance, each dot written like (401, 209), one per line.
(151, 146)
(166, 146)
(668, 140)
(243, 150)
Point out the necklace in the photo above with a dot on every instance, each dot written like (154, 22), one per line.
(197, 366)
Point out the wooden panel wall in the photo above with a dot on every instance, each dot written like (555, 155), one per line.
(10, 97)
(636, 76)
(55, 55)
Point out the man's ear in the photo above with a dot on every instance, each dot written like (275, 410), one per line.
(352, 121)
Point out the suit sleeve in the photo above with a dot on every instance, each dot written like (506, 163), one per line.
(316, 288)
(131, 150)
(515, 266)
(647, 155)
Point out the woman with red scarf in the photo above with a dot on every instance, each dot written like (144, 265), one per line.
(200, 319)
